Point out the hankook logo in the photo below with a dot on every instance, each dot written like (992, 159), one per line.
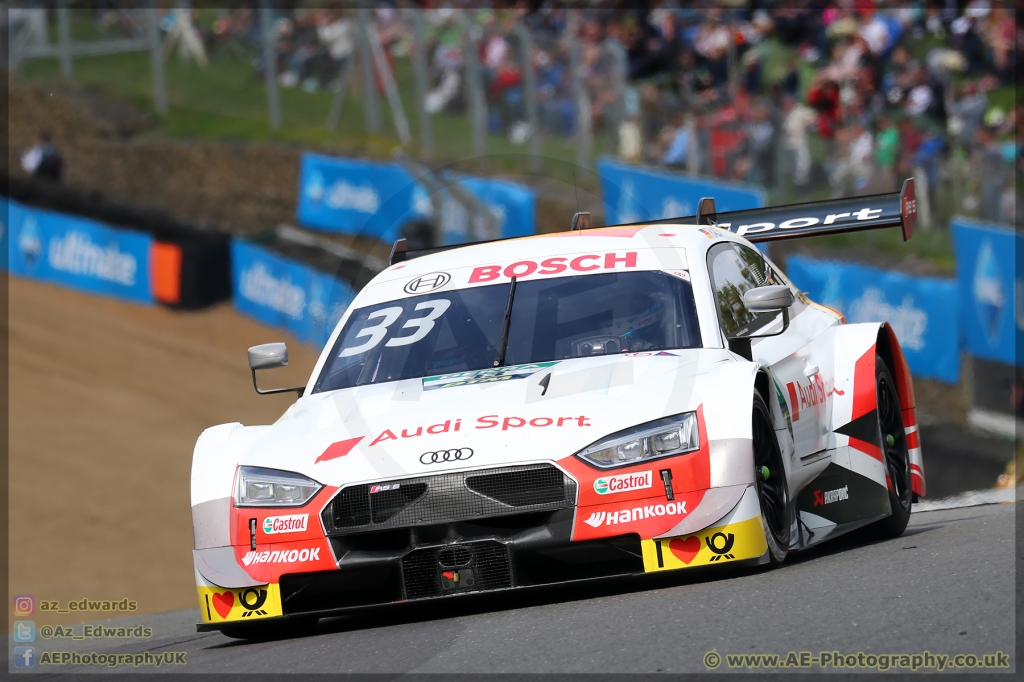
(425, 283)
(455, 455)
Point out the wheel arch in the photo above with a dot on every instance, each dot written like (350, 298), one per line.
(888, 347)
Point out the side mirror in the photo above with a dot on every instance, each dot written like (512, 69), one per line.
(769, 298)
(270, 356)
(763, 300)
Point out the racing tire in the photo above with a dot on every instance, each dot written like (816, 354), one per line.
(773, 490)
(895, 455)
(261, 632)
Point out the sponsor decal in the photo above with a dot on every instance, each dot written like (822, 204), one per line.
(426, 283)
(295, 523)
(816, 392)
(489, 421)
(382, 488)
(659, 354)
(729, 542)
(783, 405)
(681, 274)
(554, 266)
(484, 376)
(720, 543)
(611, 518)
(708, 233)
(282, 556)
(801, 222)
(608, 485)
(339, 449)
(830, 496)
(454, 455)
(218, 604)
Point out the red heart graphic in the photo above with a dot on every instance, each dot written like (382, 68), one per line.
(685, 550)
(339, 449)
(222, 603)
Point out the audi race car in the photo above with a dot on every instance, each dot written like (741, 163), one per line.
(596, 402)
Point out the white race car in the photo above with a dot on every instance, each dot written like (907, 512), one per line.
(596, 402)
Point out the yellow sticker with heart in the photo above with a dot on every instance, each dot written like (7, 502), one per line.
(731, 542)
(220, 604)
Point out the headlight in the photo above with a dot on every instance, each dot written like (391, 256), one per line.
(660, 438)
(258, 487)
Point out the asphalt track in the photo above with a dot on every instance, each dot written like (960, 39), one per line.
(946, 586)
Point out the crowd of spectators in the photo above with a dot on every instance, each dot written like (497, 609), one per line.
(849, 99)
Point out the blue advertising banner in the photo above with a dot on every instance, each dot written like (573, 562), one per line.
(632, 194)
(4, 232)
(281, 292)
(991, 288)
(78, 253)
(923, 311)
(514, 204)
(377, 199)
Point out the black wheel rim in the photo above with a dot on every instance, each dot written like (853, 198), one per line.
(894, 442)
(771, 492)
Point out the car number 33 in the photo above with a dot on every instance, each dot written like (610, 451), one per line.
(388, 316)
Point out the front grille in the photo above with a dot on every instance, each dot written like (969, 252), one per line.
(521, 488)
(444, 498)
(453, 569)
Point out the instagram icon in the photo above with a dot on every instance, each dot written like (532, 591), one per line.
(24, 605)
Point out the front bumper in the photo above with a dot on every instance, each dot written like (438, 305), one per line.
(484, 555)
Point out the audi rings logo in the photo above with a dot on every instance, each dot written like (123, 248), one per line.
(425, 283)
(456, 455)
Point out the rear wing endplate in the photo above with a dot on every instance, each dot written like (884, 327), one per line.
(834, 216)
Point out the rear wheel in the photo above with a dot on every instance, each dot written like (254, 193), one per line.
(895, 454)
(772, 488)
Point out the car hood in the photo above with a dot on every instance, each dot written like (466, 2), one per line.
(529, 413)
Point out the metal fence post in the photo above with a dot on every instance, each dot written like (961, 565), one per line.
(618, 117)
(64, 36)
(419, 69)
(270, 64)
(338, 102)
(370, 110)
(157, 58)
(390, 89)
(530, 94)
(474, 88)
(584, 135)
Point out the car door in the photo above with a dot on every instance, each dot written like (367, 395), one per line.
(795, 360)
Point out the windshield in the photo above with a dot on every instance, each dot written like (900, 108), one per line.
(552, 319)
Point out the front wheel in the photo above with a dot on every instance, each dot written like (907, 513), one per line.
(895, 454)
(772, 488)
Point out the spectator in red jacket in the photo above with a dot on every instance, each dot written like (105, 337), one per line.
(823, 97)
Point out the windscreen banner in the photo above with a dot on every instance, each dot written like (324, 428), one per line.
(282, 292)
(923, 311)
(633, 194)
(78, 253)
(376, 199)
(991, 289)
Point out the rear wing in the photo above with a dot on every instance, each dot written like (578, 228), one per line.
(815, 218)
(834, 216)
